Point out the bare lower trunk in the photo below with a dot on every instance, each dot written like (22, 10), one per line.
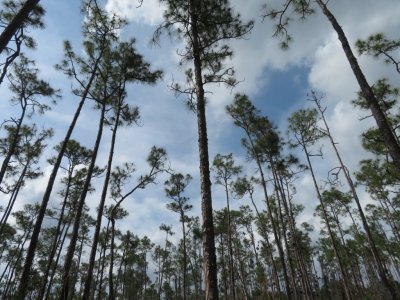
(271, 257)
(110, 273)
(184, 256)
(79, 210)
(231, 268)
(383, 273)
(270, 215)
(210, 261)
(89, 276)
(328, 226)
(298, 256)
(53, 271)
(46, 197)
(56, 240)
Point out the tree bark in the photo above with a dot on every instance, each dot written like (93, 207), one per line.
(16, 23)
(79, 210)
(210, 261)
(89, 276)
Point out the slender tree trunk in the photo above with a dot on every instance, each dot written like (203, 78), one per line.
(291, 273)
(10, 59)
(16, 23)
(161, 276)
(103, 261)
(383, 273)
(346, 251)
(292, 227)
(119, 272)
(241, 272)
(14, 143)
(223, 266)
(184, 255)
(79, 209)
(20, 255)
(390, 220)
(194, 276)
(78, 264)
(100, 209)
(271, 257)
(210, 260)
(13, 197)
(272, 218)
(56, 239)
(110, 273)
(11, 258)
(231, 267)
(386, 132)
(325, 277)
(54, 268)
(332, 238)
(23, 286)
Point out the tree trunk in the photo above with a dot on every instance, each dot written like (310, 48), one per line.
(56, 239)
(285, 239)
(53, 271)
(14, 143)
(13, 197)
(89, 276)
(292, 227)
(23, 286)
(182, 213)
(265, 236)
(383, 273)
(79, 209)
(328, 226)
(274, 229)
(231, 268)
(102, 261)
(110, 273)
(210, 261)
(386, 132)
(16, 23)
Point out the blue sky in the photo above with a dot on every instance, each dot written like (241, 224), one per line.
(276, 81)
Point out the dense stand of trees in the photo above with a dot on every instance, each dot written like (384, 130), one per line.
(256, 246)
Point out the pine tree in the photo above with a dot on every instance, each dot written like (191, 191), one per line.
(17, 17)
(303, 8)
(98, 31)
(174, 189)
(205, 26)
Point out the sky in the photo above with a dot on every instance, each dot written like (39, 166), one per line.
(276, 81)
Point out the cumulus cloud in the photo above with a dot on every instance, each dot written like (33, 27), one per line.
(149, 11)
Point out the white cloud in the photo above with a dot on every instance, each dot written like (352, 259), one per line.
(148, 11)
